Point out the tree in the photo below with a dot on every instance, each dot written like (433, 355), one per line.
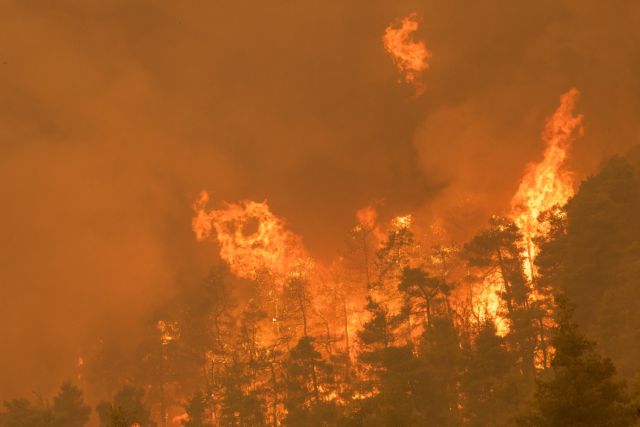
(69, 408)
(196, 409)
(308, 383)
(592, 255)
(441, 361)
(299, 301)
(486, 384)
(395, 254)
(22, 413)
(393, 383)
(126, 409)
(421, 292)
(496, 248)
(582, 389)
(241, 403)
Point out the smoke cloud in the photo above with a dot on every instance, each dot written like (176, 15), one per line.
(115, 114)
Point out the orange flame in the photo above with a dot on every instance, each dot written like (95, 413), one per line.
(547, 183)
(402, 222)
(411, 58)
(251, 238)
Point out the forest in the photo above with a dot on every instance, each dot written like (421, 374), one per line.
(394, 335)
(320, 214)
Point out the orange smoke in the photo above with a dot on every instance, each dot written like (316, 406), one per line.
(251, 238)
(409, 57)
(547, 183)
(367, 217)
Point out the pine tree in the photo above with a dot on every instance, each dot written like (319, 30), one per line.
(69, 408)
(423, 294)
(22, 413)
(308, 384)
(196, 410)
(441, 362)
(241, 403)
(582, 389)
(393, 383)
(592, 253)
(126, 409)
(497, 248)
(487, 380)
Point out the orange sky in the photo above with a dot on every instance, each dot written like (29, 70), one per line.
(115, 114)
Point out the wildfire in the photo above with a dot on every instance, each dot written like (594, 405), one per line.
(402, 222)
(547, 183)
(410, 57)
(251, 238)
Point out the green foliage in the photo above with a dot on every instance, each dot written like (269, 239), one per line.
(239, 406)
(424, 355)
(68, 410)
(423, 293)
(308, 381)
(441, 367)
(126, 409)
(582, 389)
(592, 254)
(489, 383)
(496, 248)
(22, 413)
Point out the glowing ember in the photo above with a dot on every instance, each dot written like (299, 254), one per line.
(547, 183)
(410, 57)
(251, 238)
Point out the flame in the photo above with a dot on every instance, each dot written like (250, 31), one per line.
(402, 222)
(410, 57)
(547, 183)
(180, 418)
(490, 304)
(251, 238)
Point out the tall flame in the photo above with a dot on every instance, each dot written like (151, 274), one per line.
(410, 57)
(547, 183)
(251, 238)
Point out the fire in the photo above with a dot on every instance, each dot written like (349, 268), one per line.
(402, 222)
(490, 304)
(410, 57)
(180, 419)
(547, 183)
(251, 238)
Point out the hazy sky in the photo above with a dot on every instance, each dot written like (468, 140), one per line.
(115, 114)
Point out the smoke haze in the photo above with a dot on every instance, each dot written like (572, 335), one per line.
(115, 114)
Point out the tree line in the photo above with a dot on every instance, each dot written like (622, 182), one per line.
(395, 334)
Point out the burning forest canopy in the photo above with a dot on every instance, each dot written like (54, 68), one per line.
(337, 213)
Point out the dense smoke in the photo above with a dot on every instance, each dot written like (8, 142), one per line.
(114, 115)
